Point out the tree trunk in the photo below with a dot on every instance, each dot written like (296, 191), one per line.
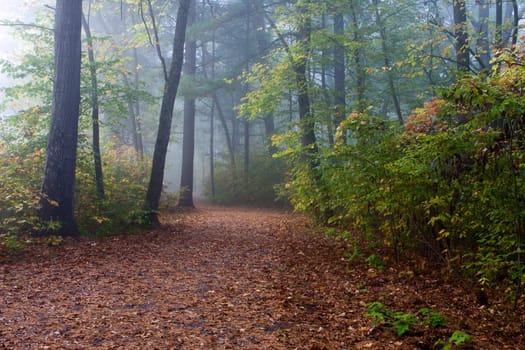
(483, 42)
(97, 158)
(358, 60)
(58, 188)
(171, 86)
(137, 128)
(386, 59)
(461, 36)
(263, 43)
(498, 36)
(224, 123)
(339, 70)
(212, 152)
(188, 136)
(308, 139)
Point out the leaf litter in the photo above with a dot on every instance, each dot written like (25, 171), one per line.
(228, 278)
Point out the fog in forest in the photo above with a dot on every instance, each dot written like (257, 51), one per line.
(270, 80)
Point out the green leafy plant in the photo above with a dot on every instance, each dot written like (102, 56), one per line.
(376, 262)
(432, 318)
(10, 245)
(458, 339)
(402, 322)
(399, 322)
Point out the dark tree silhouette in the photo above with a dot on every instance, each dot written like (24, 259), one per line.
(188, 137)
(58, 188)
(171, 86)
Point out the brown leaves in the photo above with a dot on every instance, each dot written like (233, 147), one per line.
(216, 279)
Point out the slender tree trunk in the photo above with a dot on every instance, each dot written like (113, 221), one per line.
(308, 139)
(358, 60)
(212, 152)
(97, 158)
(326, 94)
(339, 70)
(58, 188)
(137, 128)
(515, 23)
(224, 123)
(246, 123)
(188, 136)
(153, 194)
(386, 59)
(461, 36)
(263, 43)
(498, 36)
(483, 42)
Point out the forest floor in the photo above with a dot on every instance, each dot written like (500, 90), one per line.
(229, 278)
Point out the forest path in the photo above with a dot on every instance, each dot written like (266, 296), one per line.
(211, 278)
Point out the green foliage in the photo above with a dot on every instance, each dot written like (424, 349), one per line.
(432, 318)
(25, 124)
(10, 245)
(376, 262)
(448, 185)
(458, 339)
(126, 180)
(401, 322)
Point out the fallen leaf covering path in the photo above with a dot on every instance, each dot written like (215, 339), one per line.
(217, 278)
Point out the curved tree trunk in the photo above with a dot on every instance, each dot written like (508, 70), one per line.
(171, 86)
(58, 188)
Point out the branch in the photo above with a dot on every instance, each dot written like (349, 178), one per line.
(28, 25)
(156, 33)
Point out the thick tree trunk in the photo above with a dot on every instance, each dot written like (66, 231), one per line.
(58, 188)
(188, 136)
(97, 158)
(153, 194)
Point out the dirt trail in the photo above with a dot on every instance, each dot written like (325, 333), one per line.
(218, 279)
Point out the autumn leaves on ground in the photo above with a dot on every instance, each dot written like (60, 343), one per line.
(217, 278)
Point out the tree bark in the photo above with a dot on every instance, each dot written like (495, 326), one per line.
(308, 139)
(97, 158)
(339, 70)
(483, 42)
(386, 60)
(461, 36)
(263, 43)
(171, 86)
(57, 202)
(358, 60)
(188, 136)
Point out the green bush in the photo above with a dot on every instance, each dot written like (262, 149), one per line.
(448, 185)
